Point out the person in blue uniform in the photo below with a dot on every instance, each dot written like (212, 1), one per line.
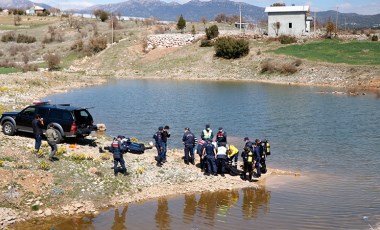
(189, 140)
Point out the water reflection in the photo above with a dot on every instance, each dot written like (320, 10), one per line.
(162, 216)
(253, 201)
(119, 220)
(189, 208)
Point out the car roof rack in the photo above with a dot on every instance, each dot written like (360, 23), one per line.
(64, 104)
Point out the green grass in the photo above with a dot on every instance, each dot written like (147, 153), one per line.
(6, 70)
(334, 51)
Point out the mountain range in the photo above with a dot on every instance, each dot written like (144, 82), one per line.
(20, 4)
(194, 10)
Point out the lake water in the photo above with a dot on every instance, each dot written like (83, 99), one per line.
(333, 140)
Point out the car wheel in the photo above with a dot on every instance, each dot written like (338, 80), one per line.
(60, 138)
(9, 128)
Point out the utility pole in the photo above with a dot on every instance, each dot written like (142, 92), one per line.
(315, 20)
(240, 15)
(336, 23)
(112, 27)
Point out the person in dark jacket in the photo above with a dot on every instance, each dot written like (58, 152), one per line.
(117, 150)
(189, 140)
(37, 124)
(200, 148)
(209, 155)
(165, 136)
(159, 143)
(221, 137)
(247, 156)
(257, 156)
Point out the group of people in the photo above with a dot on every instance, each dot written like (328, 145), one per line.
(216, 156)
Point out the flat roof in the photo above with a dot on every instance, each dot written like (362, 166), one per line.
(274, 9)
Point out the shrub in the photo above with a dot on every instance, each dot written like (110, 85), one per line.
(29, 67)
(21, 38)
(375, 38)
(8, 37)
(61, 151)
(270, 66)
(231, 48)
(267, 66)
(21, 166)
(77, 46)
(212, 32)
(285, 39)
(78, 156)
(25, 57)
(97, 44)
(1, 163)
(52, 60)
(288, 68)
(206, 43)
(44, 165)
(297, 62)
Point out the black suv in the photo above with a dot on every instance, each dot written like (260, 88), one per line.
(68, 121)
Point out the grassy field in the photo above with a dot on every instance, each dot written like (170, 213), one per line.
(334, 51)
(6, 70)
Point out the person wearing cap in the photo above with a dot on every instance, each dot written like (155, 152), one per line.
(117, 150)
(221, 137)
(200, 147)
(159, 143)
(165, 136)
(189, 140)
(37, 125)
(209, 154)
(207, 133)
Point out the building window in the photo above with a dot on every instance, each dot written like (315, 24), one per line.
(290, 25)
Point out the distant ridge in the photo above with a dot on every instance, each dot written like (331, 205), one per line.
(21, 4)
(194, 10)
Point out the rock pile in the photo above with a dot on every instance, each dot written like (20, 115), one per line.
(170, 40)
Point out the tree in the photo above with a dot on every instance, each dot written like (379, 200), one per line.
(17, 19)
(97, 13)
(103, 16)
(193, 31)
(212, 32)
(330, 27)
(181, 24)
(204, 20)
(276, 26)
(220, 18)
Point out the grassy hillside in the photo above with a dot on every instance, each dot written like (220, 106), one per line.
(335, 51)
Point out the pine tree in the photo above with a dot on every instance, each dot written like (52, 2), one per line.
(181, 24)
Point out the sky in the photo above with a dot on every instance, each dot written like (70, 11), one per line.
(367, 7)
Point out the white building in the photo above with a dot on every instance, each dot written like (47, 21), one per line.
(288, 20)
(35, 10)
